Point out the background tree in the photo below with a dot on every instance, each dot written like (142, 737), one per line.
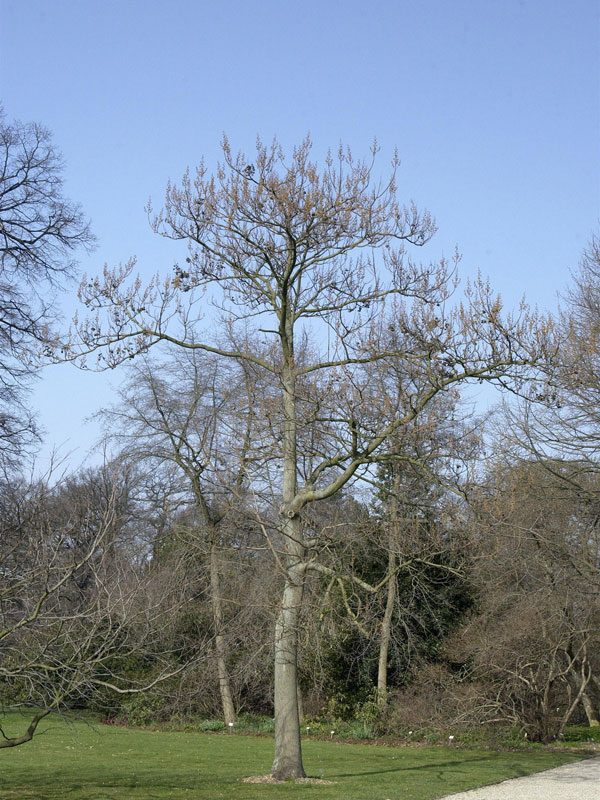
(75, 605)
(355, 347)
(40, 230)
(553, 434)
(409, 543)
(533, 642)
(426, 470)
(196, 415)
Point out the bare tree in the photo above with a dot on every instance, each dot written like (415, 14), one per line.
(405, 550)
(356, 337)
(40, 230)
(554, 435)
(427, 469)
(74, 606)
(533, 642)
(196, 415)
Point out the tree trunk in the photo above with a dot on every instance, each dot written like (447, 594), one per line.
(300, 704)
(288, 751)
(583, 680)
(288, 748)
(220, 649)
(28, 735)
(386, 623)
(386, 633)
(590, 711)
(595, 683)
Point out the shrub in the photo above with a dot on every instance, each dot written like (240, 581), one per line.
(211, 725)
(581, 733)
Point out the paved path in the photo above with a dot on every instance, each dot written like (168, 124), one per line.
(577, 781)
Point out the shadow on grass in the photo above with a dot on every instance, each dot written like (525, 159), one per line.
(433, 766)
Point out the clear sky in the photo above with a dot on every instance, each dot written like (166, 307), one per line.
(494, 106)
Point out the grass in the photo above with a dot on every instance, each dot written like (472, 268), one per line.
(96, 762)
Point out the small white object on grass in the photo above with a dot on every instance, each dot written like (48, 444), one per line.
(451, 737)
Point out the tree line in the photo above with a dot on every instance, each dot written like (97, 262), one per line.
(299, 509)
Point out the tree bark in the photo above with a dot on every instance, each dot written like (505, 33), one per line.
(595, 683)
(583, 680)
(288, 752)
(300, 704)
(386, 624)
(220, 649)
(28, 735)
(288, 748)
(590, 711)
(386, 633)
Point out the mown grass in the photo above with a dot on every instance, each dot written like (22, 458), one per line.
(84, 761)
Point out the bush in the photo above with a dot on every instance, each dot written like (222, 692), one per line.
(211, 725)
(145, 709)
(361, 730)
(581, 733)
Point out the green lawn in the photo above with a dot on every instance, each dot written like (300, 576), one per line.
(96, 762)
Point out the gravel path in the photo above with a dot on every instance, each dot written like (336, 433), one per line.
(577, 781)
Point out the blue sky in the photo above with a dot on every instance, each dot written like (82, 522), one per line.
(494, 106)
